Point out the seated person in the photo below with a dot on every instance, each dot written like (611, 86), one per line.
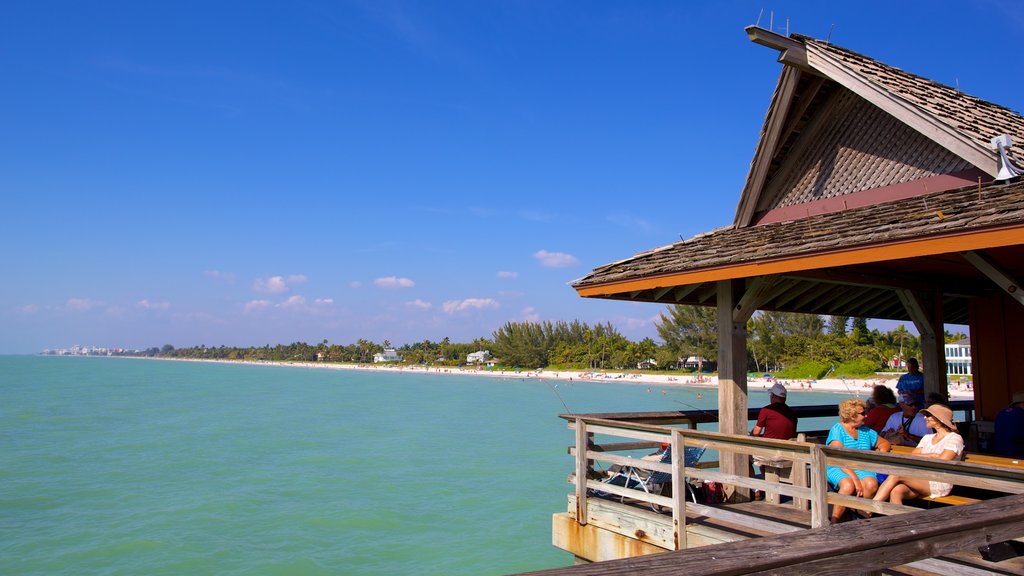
(944, 444)
(850, 432)
(884, 406)
(907, 426)
(1009, 428)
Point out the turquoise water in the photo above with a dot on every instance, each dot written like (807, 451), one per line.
(122, 466)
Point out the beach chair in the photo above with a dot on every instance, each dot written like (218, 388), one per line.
(653, 483)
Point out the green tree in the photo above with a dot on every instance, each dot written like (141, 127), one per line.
(690, 331)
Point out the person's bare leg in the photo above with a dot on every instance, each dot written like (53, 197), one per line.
(883, 491)
(846, 488)
(900, 492)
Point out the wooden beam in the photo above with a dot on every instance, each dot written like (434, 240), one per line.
(755, 295)
(791, 52)
(880, 278)
(732, 377)
(795, 292)
(684, 291)
(952, 243)
(766, 147)
(996, 273)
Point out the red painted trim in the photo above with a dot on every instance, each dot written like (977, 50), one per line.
(874, 196)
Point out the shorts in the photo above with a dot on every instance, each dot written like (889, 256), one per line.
(835, 475)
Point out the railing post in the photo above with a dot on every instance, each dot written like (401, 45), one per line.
(799, 476)
(679, 489)
(819, 489)
(581, 471)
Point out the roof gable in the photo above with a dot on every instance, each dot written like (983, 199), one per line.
(841, 123)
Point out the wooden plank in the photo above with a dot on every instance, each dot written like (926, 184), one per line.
(739, 518)
(581, 471)
(870, 545)
(678, 490)
(996, 273)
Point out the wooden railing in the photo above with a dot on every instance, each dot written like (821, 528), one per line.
(806, 457)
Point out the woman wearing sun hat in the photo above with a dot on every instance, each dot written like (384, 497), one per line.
(944, 444)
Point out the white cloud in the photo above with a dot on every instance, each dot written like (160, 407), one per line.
(324, 301)
(355, 284)
(81, 304)
(453, 306)
(630, 221)
(153, 305)
(220, 275)
(555, 259)
(637, 323)
(297, 279)
(255, 306)
(272, 285)
(394, 282)
(417, 303)
(530, 314)
(503, 274)
(28, 309)
(293, 302)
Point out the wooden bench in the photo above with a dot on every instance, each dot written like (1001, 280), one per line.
(971, 458)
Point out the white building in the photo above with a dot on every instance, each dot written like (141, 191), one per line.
(958, 358)
(388, 355)
(478, 357)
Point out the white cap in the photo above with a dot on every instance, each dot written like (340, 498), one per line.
(778, 390)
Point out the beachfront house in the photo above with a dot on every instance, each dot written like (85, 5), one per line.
(872, 193)
(958, 358)
(388, 355)
(478, 357)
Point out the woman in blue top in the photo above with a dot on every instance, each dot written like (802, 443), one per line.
(850, 432)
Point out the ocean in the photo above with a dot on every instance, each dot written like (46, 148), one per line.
(129, 466)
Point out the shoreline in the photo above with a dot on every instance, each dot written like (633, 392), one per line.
(854, 386)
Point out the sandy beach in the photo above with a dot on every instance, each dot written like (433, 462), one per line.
(860, 387)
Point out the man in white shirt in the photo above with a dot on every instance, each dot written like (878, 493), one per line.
(907, 426)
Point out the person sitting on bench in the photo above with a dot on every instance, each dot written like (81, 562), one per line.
(944, 444)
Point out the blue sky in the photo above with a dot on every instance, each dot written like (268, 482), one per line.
(249, 173)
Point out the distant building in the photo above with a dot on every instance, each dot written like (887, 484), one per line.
(478, 357)
(693, 362)
(958, 358)
(388, 355)
(649, 364)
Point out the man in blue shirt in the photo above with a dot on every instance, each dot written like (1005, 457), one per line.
(1009, 428)
(912, 383)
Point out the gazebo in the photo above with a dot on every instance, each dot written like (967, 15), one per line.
(872, 193)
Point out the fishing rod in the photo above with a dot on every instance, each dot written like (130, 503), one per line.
(701, 410)
(554, 388)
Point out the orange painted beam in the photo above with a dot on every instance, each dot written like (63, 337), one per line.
(860, 255)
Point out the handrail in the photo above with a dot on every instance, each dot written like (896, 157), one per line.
(815, 456)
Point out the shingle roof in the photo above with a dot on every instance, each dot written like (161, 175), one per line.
(943, 213)
(977, 119)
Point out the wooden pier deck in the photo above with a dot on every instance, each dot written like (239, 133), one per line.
(618, 528)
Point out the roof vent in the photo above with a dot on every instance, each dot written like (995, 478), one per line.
(1009, 165)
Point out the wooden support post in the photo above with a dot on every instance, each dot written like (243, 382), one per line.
(926, 311)
(996, 273)
(800, 476)
(819, 489)
(732, 378)
(679, 482)
(581, 471)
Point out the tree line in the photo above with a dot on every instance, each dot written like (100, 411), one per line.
(787, 344)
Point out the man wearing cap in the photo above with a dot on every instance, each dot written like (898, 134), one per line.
(1009, 428)
(907, 426)
(776, 420)
(912, 383)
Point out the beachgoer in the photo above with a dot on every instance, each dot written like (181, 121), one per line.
(912, 382)
(944, 444)
(884, 406)
(850, 432)
(907, 426)
(1009, 428)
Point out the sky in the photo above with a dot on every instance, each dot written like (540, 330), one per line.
(250, 173)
